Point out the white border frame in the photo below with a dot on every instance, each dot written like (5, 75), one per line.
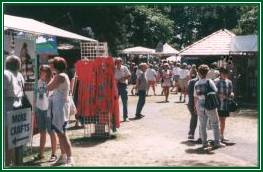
(130, 168)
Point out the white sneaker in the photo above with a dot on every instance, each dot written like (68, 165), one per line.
(70, 162)
(219, 145)
(62, 159)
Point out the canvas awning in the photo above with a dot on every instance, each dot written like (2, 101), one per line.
(216, 44)
(138, 50)
(174, 58)
(244, 43)
(39, 28)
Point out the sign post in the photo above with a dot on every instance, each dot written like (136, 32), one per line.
(19, 126)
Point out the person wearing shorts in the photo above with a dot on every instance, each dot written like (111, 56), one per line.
(225, 92)
(166, 84)
(176, 76)
(43, 118)
(183, 81)
(151, 76)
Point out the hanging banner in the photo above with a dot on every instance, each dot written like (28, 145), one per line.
(25, 49)
(7, 45)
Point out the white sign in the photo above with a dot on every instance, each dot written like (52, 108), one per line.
(19, 125)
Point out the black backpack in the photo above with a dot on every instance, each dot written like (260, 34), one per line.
(211, 98)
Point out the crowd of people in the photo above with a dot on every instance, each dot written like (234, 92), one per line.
(173, 77)
(196, 82)
(53, 94)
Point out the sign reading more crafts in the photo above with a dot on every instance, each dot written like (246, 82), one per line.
(19, 127)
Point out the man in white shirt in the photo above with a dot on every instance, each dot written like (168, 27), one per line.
(176, 73)
(151, 75)
(122, 74)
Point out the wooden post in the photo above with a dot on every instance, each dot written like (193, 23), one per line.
(19, 156)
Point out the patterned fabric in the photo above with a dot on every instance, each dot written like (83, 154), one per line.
(167, 76)
(97, 92)
(225, 88)
(200, 90)
(42, 95)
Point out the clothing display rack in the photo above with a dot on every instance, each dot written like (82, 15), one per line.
(97, 117)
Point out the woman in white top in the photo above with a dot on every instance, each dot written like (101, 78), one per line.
(151, 76)
(176, 73)
(167, 81)
(60, 85)
(183, 80)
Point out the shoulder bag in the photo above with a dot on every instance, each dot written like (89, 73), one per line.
(232, 105)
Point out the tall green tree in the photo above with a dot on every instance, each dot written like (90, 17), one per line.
(248, 22)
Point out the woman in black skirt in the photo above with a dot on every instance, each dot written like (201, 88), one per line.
(225, 92)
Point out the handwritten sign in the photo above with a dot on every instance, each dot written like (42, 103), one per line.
(19, 124)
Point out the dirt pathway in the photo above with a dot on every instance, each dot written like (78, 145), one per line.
(160, 139)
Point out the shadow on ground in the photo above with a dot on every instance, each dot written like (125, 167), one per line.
(199, 150)
(179, 102)
(90, 141)
(162, 102)
(195, 163)
(189, 142)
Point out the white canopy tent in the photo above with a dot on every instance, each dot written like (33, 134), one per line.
(35, 27)
(167, 50)
(174, 58)
(138, 51)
